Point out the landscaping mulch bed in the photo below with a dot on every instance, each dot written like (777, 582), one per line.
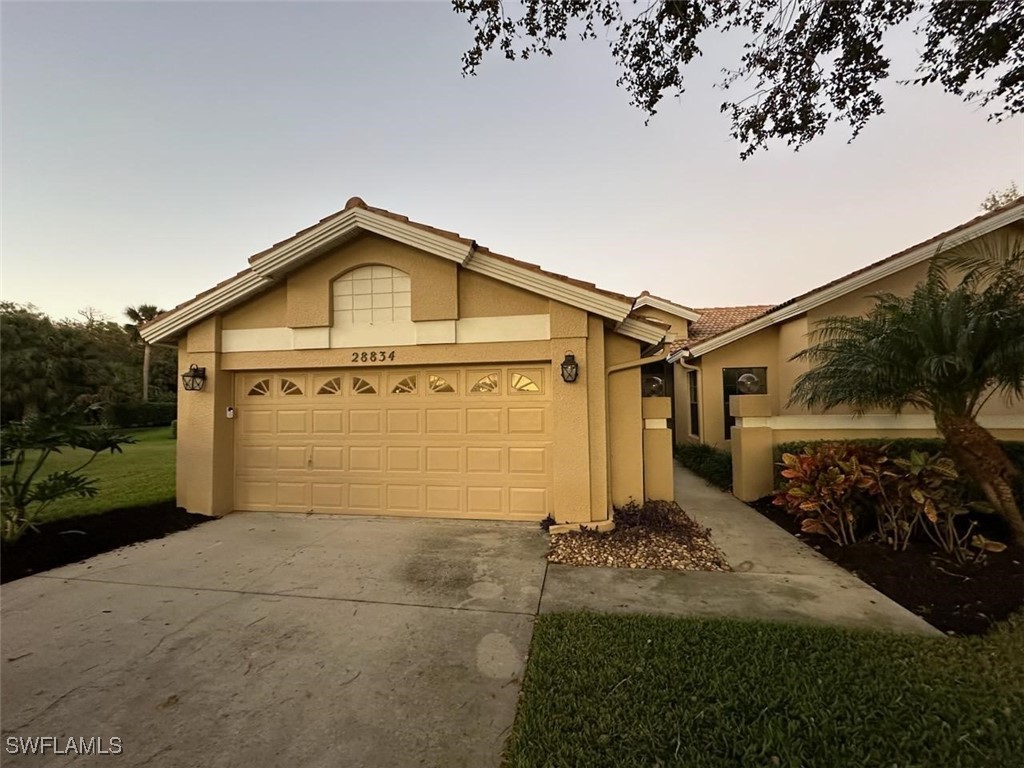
(658, 535)
(963, 599)
(73, 539)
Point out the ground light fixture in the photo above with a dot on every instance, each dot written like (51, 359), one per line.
(194, 378)
(570, 368)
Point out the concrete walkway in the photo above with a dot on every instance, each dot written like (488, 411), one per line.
(776, 576)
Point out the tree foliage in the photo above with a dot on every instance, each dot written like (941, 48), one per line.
(996, 200)
(49, 365)
(139, 315)
(947, 348)
(805, 63)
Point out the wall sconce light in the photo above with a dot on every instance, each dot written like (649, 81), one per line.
(570, 368)
(194, 378)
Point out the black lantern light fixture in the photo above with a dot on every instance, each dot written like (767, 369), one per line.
(194, 378)
(570, 368)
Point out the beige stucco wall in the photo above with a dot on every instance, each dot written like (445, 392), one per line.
(587, 477)
(758, 349)
(597, 396)
(268, 310)
(774, 347)
(205, 444)
(435, 281)
(482, 296)
(625, 426)
(659, 480)
(572, 455)
(412, 355)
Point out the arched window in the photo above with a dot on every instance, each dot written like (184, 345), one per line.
(371, 296)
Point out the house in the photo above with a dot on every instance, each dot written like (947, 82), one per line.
(734, 367)
(374, 365)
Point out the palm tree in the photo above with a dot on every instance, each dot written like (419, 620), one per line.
(945, 348)
(139, 315)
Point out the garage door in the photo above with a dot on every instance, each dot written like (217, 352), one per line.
(442, 442)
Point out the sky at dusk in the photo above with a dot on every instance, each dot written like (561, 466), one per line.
(150, 148)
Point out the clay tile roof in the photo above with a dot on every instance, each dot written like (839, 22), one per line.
(716, 320)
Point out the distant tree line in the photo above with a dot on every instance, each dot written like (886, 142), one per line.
(48, 366)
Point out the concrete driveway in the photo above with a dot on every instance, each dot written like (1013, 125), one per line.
(279, 640)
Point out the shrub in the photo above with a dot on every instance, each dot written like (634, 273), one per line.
(123, 415)
(825, 486)
(24, 492)
(713, 464)
(834, 489)
(902, 448)
(928, 489)
(652, 515)
(174, 430)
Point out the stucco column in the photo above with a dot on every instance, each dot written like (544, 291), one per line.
(571, 433)
(658, 469)
(205, 446)
(752, 471)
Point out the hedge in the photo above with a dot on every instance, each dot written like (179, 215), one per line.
(713, 464)
(123, 415)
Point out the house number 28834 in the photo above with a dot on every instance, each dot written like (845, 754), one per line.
(375, 356)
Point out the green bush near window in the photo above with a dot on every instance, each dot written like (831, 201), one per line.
(713, 464)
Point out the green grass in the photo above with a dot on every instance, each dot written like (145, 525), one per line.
(142, 475)
(603, 690)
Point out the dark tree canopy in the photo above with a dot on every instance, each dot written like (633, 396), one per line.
(806, 63)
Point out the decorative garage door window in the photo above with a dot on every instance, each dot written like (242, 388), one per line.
(487, 384)
(405, 386)
(261, 387)
(330, 387)
(361, 386)
(523, 383)
(371, 296)
(436, 383)
(289, 387)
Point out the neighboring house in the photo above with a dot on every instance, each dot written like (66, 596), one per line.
(373, 365)
(734, 370)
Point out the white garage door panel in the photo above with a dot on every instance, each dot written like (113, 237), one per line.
(439, 442)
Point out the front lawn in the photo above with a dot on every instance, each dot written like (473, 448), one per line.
(141, 476)
(604, 690)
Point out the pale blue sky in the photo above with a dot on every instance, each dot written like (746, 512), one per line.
(150, 148)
